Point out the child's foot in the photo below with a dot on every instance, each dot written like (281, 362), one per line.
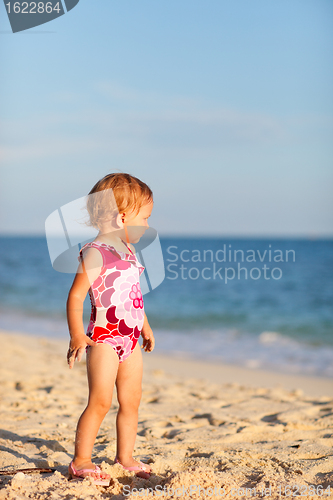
(84, 469)
(132, 465)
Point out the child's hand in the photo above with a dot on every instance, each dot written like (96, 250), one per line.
(76, 348)
(148, 343)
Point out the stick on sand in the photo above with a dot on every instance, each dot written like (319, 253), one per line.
(10, 472)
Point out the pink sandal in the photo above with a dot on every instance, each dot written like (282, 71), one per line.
(73, 473)
(140, 470)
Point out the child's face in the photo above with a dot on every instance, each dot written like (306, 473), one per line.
(137, 223)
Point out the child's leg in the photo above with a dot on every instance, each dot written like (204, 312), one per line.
(128, 384)
(102, 366)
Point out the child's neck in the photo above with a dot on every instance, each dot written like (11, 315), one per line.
(113, 238)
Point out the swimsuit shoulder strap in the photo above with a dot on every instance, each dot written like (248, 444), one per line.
(136, 261)
(128, 248)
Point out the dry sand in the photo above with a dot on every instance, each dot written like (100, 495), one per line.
(205, 429)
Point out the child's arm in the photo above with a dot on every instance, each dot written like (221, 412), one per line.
(148, 343)
(87, 272)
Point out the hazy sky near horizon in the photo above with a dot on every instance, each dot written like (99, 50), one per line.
(224, 108)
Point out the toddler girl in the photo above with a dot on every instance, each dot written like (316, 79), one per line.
(109, 271)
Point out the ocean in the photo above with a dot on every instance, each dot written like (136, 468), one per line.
(259, 303)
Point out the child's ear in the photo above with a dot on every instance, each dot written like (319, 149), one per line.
(120, 220)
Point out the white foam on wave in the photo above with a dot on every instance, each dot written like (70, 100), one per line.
(267, 350)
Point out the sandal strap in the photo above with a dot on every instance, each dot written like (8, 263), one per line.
(135, 468)
(84, 471)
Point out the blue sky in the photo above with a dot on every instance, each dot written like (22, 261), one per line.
(223, 107)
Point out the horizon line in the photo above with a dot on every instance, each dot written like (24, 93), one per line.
(307, 236)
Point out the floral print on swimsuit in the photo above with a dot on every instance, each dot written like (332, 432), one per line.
(117, 310)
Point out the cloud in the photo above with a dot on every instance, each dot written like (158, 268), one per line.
(125, 122)
(173, 131)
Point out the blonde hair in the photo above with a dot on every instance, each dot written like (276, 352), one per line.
(129, 193)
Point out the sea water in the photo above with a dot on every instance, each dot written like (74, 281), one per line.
(260, 303)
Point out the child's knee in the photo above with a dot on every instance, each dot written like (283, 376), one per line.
(100, 405)
(130, 403)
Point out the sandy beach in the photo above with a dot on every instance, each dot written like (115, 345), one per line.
(205, 429)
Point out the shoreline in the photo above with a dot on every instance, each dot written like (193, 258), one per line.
(199, 424)
(254, 363)
(223, 373)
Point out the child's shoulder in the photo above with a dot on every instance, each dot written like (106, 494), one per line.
(91, 247)
(92, 253)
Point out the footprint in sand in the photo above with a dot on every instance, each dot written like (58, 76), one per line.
(212, 420)
(171, 434)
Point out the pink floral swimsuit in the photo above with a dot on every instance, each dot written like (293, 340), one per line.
(117, 311)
